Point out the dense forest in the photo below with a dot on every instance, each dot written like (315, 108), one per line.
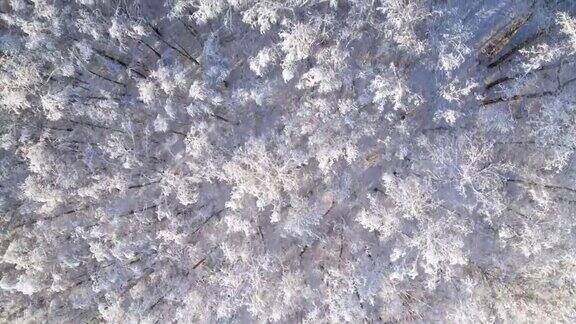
(292, 161)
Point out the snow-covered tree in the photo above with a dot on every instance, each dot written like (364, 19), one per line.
(287, 161)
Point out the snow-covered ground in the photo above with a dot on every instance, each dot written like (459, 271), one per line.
(240, 161)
